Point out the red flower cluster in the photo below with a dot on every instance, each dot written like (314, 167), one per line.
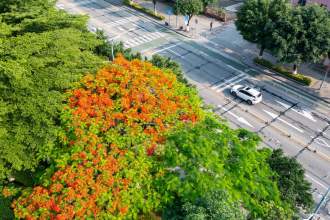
(126, 99)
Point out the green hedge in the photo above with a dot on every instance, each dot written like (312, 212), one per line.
(279, 69)
(144, 10)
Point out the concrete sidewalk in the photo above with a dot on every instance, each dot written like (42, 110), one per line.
(176, 21)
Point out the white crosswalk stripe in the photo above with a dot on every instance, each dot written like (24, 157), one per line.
(229, 82)
(143, 39)
(233, 83)
(121, 21)
(216, 86)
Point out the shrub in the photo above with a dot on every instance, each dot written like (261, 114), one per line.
(282, 70)
(144, 10)
(168, 63)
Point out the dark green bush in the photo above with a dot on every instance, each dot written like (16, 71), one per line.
(168, 63)
(282, 70)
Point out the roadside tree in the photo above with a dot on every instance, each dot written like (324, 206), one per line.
(43, 51)
(291, 180)
(189, 8)
(256, 21)
(304, 36)
(208, 2)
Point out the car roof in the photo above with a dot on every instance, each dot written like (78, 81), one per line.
(252, 91)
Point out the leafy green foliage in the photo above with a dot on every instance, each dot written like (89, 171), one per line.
(41, 56)
(107, 48)
(208, 2)
(213, 205)
(189, 8)
(210, 156)
(303, 36)
(168, 63)
(291, 181)
(256, 20)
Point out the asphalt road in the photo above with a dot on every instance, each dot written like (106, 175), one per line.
(285, 119)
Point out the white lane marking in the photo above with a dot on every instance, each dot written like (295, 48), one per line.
(235, 69)
(142, 39)
(321, 142)
(316, 181)
(176, 54)
(303, 112)
(233, 83)
(238, 118)
(119, 35)
(226, 81)
(166, 48)
(280, 119)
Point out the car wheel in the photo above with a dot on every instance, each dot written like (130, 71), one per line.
(234, 93)
(249, 102)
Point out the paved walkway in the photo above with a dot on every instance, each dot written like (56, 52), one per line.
(242, 49)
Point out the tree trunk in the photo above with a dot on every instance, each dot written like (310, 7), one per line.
(155, 11)
(261, 52)
(295, 69)
(189, 18)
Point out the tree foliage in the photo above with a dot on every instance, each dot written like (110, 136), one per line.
(303, 36)
(42, 53)
(210, 156)
(256, 20)
(291, 180)
(189, 8)
(166, 63)
(213, 205)
(109, 49)
(114, 123)
(121, 143)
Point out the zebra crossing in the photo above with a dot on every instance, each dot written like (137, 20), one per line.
(123, 21)
(227, 83)
(143, 39)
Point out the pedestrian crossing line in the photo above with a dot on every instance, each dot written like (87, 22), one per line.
(148, 37)
(233, 83)
(216, 86)
(121, 22)
(143, 39)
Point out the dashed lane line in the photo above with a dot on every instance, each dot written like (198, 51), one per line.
(280, 119)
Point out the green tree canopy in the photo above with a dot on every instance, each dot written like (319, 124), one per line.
(42, 53)
(304, 36)
(213, 205)
(256, 20)
(291, 180)
(189, 8)
(210, 156)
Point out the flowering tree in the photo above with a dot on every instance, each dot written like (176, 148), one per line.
(114, 122)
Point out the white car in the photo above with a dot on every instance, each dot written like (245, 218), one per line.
(248, 94)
